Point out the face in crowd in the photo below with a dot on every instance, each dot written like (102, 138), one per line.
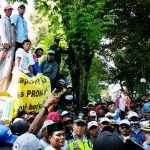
(100, 111)
(21, 10)
(147, 115)
(39, 53)
(112, 108)
(91, 108)
(57, 139)
(79, 128)
(8, 12)
(68, 126)
(50, 57)
(124, 129)
(93, 131)
(27, 46)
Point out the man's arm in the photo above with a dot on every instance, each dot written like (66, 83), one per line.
(3, 33)
(54, 72)
(31, 69)
(17, 61)
(40, 118)
(13, 35)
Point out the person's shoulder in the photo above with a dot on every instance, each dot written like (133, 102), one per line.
(14, 16)
(72, 140)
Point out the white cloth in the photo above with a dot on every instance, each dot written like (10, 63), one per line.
(147, 147)
(115, 115)
(26, 60)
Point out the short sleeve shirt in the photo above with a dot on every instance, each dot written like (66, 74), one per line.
(26, 60)
(21, 28)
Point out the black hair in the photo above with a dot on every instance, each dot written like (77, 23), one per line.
(39, 49)
(25, 41)
(56, 40)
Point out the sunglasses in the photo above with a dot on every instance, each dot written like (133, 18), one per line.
(125, 127)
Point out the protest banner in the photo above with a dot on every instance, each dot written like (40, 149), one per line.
(28, 93)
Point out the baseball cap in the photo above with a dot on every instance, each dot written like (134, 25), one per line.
(30, 117)
(104, 103)
(104, 119)
(51, 52)
(54, 116)
(21, 5)
(61, 81)
(115, 142)
(64, 113)
(147, 110)
(92, 114)
(147, 128)
(69, 97)
(6, 135)
(54, 127)
(27, 141)
(132, 114)
(8, 7)
(124, 121)
(98, 107)
(46, 123)
(91, 103)
(20, 127)
(79, 121)
(91, 124)
(66, 119)
(17, 119)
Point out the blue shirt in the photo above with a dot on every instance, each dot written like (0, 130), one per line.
(21, 28)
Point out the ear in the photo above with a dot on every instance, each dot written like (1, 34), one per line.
(50, 138)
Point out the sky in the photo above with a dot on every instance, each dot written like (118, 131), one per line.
(29, 10)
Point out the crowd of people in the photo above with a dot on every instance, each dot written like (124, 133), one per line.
(60, 125)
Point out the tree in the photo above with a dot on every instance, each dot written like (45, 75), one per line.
(82, 28)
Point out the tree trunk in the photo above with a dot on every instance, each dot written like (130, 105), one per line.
(79, 76)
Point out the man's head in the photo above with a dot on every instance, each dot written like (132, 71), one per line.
(61, 84)
(79, 127)
(147, 113)
(51, 55)
(91, 106)
(56, 41)
(21, 9)
(39, 52)
(68, 102)
(67, 123)
(56, 135)
(44, 128)
(92, 115)
(93, 129)
(6, 136)
(124, 127)
(99, 110)
(147, 133)
(104, 122)
(111, 106)
(54, 116)
(8, 10)
(27, 141)
(26, 45)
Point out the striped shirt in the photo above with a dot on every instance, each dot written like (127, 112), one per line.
(5, 31)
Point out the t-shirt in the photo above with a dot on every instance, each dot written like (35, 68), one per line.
(26, 60)
(44, 145)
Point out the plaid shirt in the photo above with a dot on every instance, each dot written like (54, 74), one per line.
(5, 30)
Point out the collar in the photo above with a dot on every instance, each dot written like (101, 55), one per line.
(82, 138)
(7, 17)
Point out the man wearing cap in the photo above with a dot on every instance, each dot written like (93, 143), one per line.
(124, 129)
(19, 27)
(146, 144)
(56, 136)
(6, 48)
(6, 137)
(92, 131)
(45, 141)
(49, 67)
(104, 122)
(79, 140)
(92, 116)
(144, 121)
(135, 126)
(67, 123)
(99, 111)
(91, 106)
